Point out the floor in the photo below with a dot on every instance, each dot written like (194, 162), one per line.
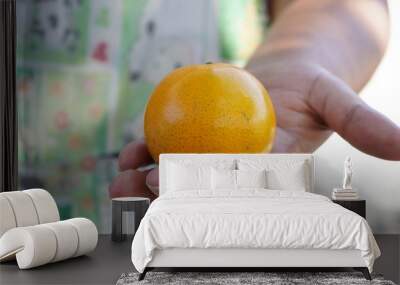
(103, 266)
(389, 262)
(110, 260)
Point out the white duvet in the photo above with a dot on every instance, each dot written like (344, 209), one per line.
(250, 218)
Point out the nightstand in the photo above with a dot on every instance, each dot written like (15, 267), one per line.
(357, 206)
(120, 206)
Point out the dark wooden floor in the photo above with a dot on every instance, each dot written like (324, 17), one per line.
(110, 260)
(389, 262)
(103, 266)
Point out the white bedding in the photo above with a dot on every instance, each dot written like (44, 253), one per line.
(251, 218)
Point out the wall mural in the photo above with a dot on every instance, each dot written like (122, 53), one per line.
(85, 70)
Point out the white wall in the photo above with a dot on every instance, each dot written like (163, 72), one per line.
(377, 180)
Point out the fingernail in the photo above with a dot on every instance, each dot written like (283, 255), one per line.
(153, 189)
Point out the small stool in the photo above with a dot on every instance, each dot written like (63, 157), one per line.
(138, 205)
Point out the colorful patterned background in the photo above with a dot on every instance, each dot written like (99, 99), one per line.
(85, 69)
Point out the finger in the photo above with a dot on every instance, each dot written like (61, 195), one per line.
(130, 183)
(152, 180)
(344, 112)
(134, 155)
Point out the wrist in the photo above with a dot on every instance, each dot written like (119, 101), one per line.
(275, 65)
(302, 58)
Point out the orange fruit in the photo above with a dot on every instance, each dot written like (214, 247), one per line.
(209, 108)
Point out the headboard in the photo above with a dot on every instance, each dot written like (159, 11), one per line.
(209, 158)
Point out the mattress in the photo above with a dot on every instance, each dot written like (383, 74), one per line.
(250, 219)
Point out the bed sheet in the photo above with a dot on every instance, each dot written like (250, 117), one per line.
(250, 218)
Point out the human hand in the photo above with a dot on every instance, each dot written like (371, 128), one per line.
(310, 104)
(132, 181)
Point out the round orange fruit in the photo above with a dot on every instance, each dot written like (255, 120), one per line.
(209, 108)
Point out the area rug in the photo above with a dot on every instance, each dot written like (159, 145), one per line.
(243, 278)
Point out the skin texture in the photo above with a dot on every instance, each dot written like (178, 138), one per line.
(209, 108)
(317, 55)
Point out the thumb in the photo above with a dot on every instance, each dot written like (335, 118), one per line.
(344, 112)
(152, 181)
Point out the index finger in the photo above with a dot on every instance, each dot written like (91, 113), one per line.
(344, 112)
(134, 155)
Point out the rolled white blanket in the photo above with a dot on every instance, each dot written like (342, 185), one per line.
(40, 244)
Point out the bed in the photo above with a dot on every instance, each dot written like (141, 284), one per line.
(247, 211)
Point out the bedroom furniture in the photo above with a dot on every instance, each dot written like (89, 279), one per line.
(110, 259)
(26, 208)
(357, 206)
(294, 172)
(47, 243)
(137, 205)
(31, 231)
(244, 259)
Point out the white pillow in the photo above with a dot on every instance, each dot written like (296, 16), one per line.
(282, 174)
(251, 178)
(184, 177)
(223, 179)
(293, 179)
